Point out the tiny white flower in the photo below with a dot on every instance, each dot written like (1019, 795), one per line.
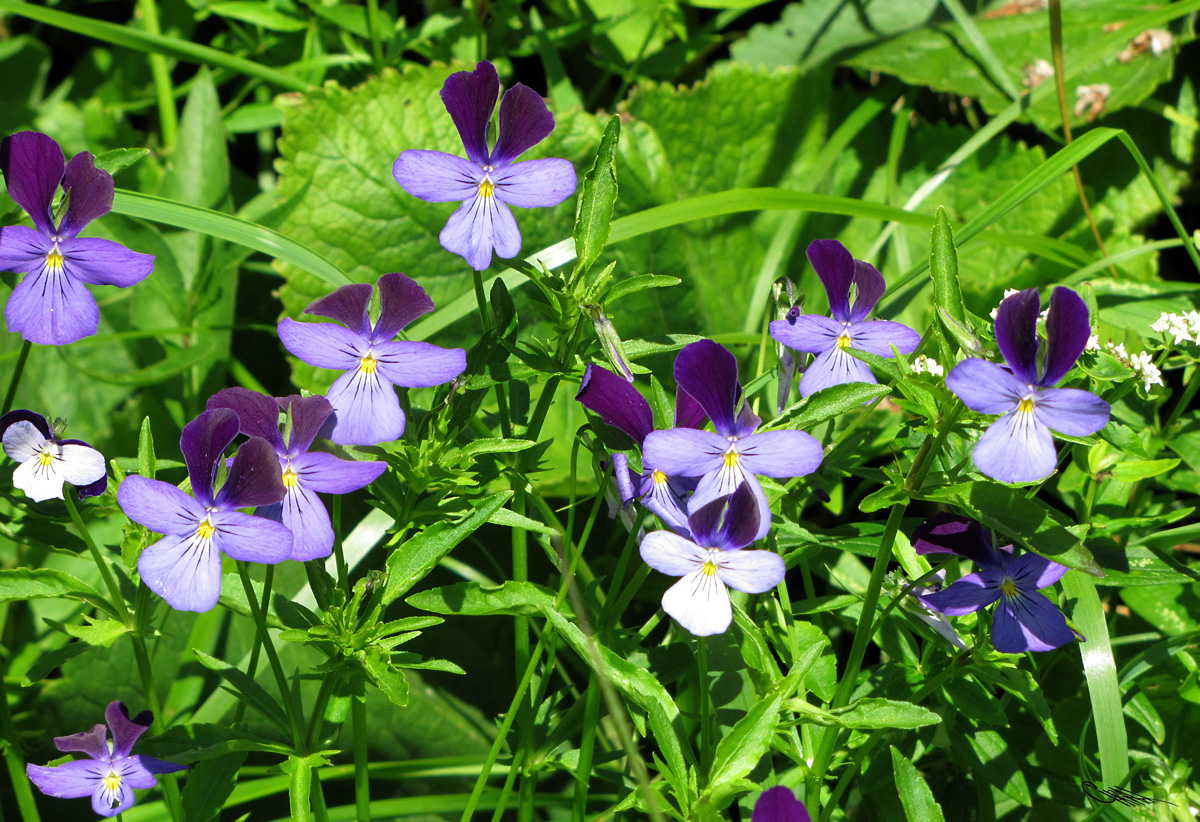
(1118, 351)
(1093, 343)
(927, 365)
(47, 463)
(1162, 323)
(1143, 365)
(1008, 292)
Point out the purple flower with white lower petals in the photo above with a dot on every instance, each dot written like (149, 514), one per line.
(304, 472)
(368, 410)
(112, 773)
(849, 328)
(1018, 447)
(779, 804)
(1024, 620)
(46, 462)
(51, 306)
(184, 567)
(710, 558)
(487, 182)
(734, 454)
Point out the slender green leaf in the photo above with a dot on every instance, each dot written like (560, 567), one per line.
(915, 796)
(597, 197)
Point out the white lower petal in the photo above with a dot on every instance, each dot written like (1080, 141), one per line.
(700, 603)
(80, 464)
(39, 481)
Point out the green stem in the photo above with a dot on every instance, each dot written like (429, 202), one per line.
(374, 32)
(362, 776)
(256, 644)
(318, 715)
(343, 569)
(587, 745)
(164, 90)
(110, 581)
(15, 763)
(1185, 399)
(705, 709)
(260, 624)
(318, 797)
(16, 377)
(485, 316)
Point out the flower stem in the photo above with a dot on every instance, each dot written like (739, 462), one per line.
(256, 645)
(587, 745)
(16, 765)
(705, 709)
(362, 786)
(16, 377)
(260, 623)
(164, 90)
(1185, 399)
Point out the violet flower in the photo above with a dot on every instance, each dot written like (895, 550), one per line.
(184, 567)
(1018, 447)
(710, 558)
(734, 454)
(46, 462)
(112, 773)
(779, 804)
(487, 182)
(368, 410)
(51, 306)
(304, 472)
(829, 338)
(1024, 620)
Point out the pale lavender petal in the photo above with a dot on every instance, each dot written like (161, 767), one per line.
(401, 301)
(1072, 411)
(523, 123)
(251, 539)
(33, 166)
(158, 505)
(183, 570)
(103, 262)
(23, 250)
(331, 475)
(780, 454)
(1016, 333)
(323, 344)
(878, 337)
(70, 780)
(945, 533)
(125, 731)
(79, 464)
(779, 804)
(624, 479)
(966, 596)
(869, 287)
(309, 415)
(753, 572)
(616, 402)
(258, 414)
(24, 439)
(699, 603)
(94, 742)
(1067, 332)
(1016, 448)
(835, 266)
(535, 183)
(91, 191)
(1032, 571)
(470, 97)
(684, 452)
(305, 516)
(708, 372)
(661, 498)
(1029, 622)
(50, 307)
(437, 177)
(671, 554)
(986, 387)
(254, 477)
(203, 443)
(418, 364)
(810, 333)
(367, 408)
(834, 367)
(480, 225)
(108, 802)
(348, 305)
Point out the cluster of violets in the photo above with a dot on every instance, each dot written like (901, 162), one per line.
(700, 478)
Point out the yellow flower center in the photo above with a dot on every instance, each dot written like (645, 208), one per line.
(205, 529)
(45, 458)
(54, 260)
(708, 568)
(367, 364)
(1008, 587)
(487, 187)
(112, 781)
(659, 477)
(1026, 405)
(290, 480)
(731, 458)
(843, 341)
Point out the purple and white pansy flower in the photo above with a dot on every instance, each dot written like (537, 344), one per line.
(184, 567)
(830, 338)
(112, 772)
(734, 454)
(709, 559)
(304, 472)
(368, 410)
(1024, 620)
(51, 305)
(488, 181)
(46, 463)
(1018, 447)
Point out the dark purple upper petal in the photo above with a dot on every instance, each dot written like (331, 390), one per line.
(93, 742)
(258, 414)
(779, 804)
(254, 477)
(203, 442)
(705, 521)
(524, 122)
(869, 288)
(1016, 333)
(125, 731)
(91, 191)
(470, 97)
(616, 402)
(835, 266)
(401, 301)
(946, 533)
(33, 168)
(1067, 331)
(740, 525)
(37, 420)
(347, 305)
(709, 373)
(688, 413)
(309, 414)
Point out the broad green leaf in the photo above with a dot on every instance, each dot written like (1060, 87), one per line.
(1044, 529)
(53, 660)
(43, 583)
(1172, 609)
(471, 598)
(200, 170)
(919, 805)
(829, 403)
(209, 785)
(198, 741)
(868, 713)
(990, 755)
(245, 688)
(636, 284)
(1134, 470)
(597, 196)
(386, 677)
(257, 14)
(147, 463)
(119, 159)
(739, 751)
(99, 632)
(943, 266)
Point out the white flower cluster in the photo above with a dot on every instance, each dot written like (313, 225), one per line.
(1141, 363)
(1093, 343)
(1008, 292)
(927, 365)
(1185, 327)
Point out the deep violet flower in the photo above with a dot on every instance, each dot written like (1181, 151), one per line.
(1024, 620)
(51, 306)
(304, 472)
(710, 558)
(46, 462)
(734, 454)
(368, 410)
(1018, 447)
(112, 773)
(184, 567)
(829, 338)
(779, 804)
(487, 182)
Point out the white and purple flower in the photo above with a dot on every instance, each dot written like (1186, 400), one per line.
(51, 306)
(46, 462)
(849, 328)
(184, 567)
(112, 773)
(305, 473)
(1018, 447)
(487, 182)
(368, 410)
